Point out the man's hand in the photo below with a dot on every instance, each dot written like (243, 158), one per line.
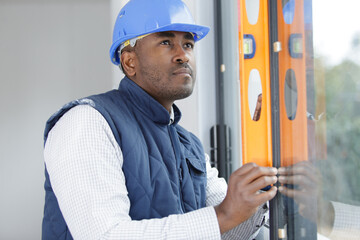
(243, 196)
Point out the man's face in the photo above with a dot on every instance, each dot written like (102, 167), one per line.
(165, 66)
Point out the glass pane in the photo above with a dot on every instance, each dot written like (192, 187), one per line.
(337, 85)
(320, 151)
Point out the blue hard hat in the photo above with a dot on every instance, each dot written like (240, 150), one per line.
(139, 17)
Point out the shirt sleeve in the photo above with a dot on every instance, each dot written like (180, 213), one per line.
(216, 192)
(84, 163)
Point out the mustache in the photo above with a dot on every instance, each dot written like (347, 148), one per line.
(183, 65)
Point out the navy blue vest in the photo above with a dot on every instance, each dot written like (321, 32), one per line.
(164, 164)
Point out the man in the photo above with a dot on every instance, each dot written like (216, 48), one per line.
(118, 165)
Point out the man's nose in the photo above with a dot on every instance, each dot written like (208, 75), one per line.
(181, 56)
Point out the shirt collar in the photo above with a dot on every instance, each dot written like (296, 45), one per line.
(172, 117)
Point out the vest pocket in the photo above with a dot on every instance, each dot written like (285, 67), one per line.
(197, 171)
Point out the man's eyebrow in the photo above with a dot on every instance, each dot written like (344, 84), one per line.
(165, 34)
(188, 36)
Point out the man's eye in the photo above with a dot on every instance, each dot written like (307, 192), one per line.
(189, 45)
(166, 42)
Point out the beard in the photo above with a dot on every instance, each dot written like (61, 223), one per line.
(162, 84)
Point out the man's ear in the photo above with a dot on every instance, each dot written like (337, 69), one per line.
(128, 62)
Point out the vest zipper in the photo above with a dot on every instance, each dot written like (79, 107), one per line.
(180, 192)
(176, 148)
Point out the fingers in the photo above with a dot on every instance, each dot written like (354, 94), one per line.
(251, 171)
(250, 178)
(263, 182)
(251, 194)
(259, 198)
(300, 180)
(263, 197)
(302, 173)
(300, 168)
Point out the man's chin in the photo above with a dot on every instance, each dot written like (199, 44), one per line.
(185, 92)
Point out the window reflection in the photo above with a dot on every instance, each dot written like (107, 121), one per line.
(288, 9)
(340, 68)
(255, 95)
(324, 191)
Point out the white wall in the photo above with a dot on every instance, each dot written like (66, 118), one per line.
(50, 52)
